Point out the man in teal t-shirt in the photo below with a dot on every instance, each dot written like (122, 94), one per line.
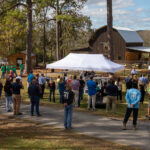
(3, 70)
(13, 68)
(7, 69)
(21, 69)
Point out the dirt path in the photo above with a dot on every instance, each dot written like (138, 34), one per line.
(92, 125)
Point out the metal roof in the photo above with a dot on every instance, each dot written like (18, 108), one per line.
(130, 36)
(140, 48)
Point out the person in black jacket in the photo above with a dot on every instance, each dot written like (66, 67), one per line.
(34, 93)
(68, 97)
(52, 90)
(16, 87)
(81, 90)
(111, 97)
(8, 95)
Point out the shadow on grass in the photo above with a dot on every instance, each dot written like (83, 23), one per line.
(17, 134)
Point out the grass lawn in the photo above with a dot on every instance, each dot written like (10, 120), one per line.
(121, 107)
(16, 134)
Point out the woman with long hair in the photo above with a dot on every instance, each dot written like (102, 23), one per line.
(8, 95)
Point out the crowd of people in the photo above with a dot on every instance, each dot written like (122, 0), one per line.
(10, 70)
(136, 90)
(71, 92)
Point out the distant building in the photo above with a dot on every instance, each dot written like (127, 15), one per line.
(19, 58)
(127, 44)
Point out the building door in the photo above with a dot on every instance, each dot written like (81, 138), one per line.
(19, 61)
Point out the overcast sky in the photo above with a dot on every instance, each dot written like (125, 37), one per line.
(134, 14)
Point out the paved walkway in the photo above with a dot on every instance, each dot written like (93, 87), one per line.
(92, 125)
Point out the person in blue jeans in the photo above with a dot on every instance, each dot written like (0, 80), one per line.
(34, 93)
(61, 88)
(8, 95)
(68, 97)
(133, 96)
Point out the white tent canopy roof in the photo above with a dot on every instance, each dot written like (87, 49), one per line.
(86, 62)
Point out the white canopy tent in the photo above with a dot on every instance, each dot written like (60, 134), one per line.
(86, 62)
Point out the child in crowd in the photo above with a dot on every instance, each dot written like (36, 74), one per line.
(11, 74)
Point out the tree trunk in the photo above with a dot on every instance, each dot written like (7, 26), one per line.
(57, 31)
(44, 44)
(44, 37)
(28, 63)
(109, 29)
(60, 39)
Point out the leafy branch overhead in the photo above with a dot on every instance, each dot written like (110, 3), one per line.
(74, 28)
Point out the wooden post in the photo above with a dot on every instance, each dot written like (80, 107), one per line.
(109, 29)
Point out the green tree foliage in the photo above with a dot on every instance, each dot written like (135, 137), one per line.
(74, 28)
(12, 29)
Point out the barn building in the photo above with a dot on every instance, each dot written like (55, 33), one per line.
(127, 44)
(19, 58)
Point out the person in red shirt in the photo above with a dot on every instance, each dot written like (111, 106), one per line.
(52, 87)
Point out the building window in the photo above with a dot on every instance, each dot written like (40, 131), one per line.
(19, 61)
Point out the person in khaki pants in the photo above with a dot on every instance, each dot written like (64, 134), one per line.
(75, 84)
(91, 93)
(111, 97)
(16, 86)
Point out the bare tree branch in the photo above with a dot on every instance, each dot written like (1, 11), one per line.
(44, 21)
(12, 7)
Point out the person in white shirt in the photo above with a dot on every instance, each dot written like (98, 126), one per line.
(133, 71)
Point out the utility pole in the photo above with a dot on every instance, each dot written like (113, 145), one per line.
(57, 31)
(110, 29)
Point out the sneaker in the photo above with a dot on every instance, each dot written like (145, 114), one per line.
(38, 115)
(124, 126)
(134, 127)
(89, 109)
